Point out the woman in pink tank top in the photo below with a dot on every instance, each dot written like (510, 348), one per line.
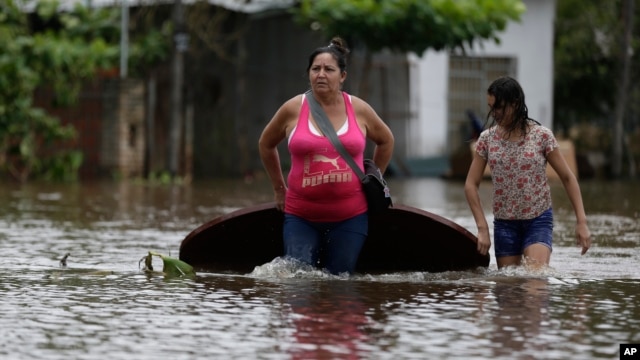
(326, 219)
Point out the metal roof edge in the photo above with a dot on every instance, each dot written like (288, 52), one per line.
(244, 6)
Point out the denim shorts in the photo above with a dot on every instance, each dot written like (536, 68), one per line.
(511, 237)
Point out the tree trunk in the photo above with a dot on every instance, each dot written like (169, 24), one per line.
(623, 85)
(241, 123)
(363, 91)
(188, 140)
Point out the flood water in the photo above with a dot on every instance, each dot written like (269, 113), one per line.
(103, 306)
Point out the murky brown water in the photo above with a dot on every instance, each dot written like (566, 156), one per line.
(102, 305)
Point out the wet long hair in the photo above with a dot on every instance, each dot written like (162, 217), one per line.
(337, 48)
(507, 91)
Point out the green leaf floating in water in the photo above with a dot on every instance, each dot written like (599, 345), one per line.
(171, 266)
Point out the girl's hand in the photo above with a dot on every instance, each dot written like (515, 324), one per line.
(583, 237)
(484, 242)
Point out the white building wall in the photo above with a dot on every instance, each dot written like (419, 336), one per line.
(529, 41)
(427, 132)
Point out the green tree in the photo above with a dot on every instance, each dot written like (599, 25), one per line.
(59, 55)
(406, 26)
(45, 47)
(410, 25)
(584, 56)
(590, 57)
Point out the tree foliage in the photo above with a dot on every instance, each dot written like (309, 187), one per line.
(589, 70)
(44, 47)
(586, 50)
(410, 25)
(28, 60)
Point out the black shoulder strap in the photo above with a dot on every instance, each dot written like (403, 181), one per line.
(329, 132)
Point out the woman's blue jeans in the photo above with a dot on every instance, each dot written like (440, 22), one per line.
(334, 246)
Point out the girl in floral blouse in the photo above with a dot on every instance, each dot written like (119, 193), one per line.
(517, 149)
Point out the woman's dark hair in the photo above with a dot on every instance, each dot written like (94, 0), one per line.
(507, 91)
(337, 48)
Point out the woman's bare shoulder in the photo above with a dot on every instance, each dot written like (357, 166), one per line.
(291, 106)
(295, 101)
(361, 107)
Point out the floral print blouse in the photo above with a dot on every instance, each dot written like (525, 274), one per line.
(518, 172)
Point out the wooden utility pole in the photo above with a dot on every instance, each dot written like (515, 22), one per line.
(150, 133)
(181, 42)
(124, 39)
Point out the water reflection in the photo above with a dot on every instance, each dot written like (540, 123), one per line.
(521, 311)
(329, 320)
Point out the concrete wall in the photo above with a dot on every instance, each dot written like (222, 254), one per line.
(109, 122)
(123, 130)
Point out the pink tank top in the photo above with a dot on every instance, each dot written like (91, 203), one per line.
(322, 187)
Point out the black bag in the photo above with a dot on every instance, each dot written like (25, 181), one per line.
(375, 188)
(373, 184)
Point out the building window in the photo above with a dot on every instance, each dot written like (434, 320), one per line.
(469, 78)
